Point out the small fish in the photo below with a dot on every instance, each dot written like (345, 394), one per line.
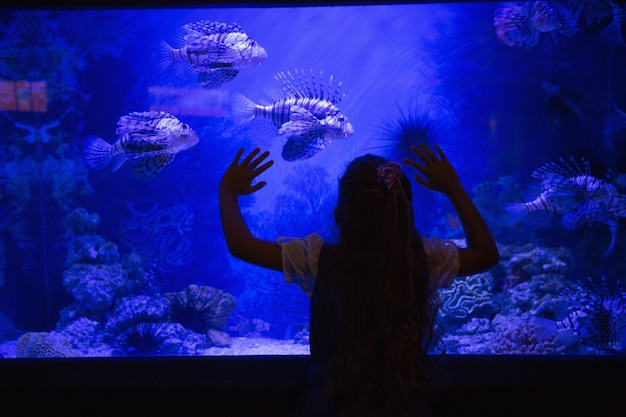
(521, 25)
(150, 139)
(215, 51)
(305, 113)
(569, 192)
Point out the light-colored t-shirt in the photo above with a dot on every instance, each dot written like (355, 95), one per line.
(301, 256)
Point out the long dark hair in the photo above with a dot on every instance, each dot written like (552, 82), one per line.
(384, 296)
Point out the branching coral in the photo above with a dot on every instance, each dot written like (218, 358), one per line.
(159, 236)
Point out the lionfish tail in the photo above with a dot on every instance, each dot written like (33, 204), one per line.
(96, 152)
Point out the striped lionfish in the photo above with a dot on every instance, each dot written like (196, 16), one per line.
(595, 316)
(521, 25)
(151, 139)
(215, 51)
(569, 192)
(305, 113)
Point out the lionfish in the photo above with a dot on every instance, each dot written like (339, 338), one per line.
(150, 139)
(598, 315)
(215, 51)
(521, 25)
(569, 192)
(305, 113)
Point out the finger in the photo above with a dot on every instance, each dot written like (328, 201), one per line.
(257, 186)
(263, 168)
(422, 181)
(259, 159)
(411, 163)
(419, 153)
(236, 160)
(441, 154)
(249, 157)
(428, 151)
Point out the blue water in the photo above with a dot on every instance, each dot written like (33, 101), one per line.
(94, 262)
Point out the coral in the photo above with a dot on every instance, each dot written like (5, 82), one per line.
(247, 327)
(44, 345)
(95, 286)
(146, 339)
(520, 263)
(80, 222)
(91, 249)
(467, 298)
(83, 335)
(217, 338)
(129, 311)
(138, 326)
(522, 337)
(201, 308)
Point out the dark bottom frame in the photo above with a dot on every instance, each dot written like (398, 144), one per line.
(481, 386)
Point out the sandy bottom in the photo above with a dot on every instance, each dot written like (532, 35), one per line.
(244, 346)
(240, 346)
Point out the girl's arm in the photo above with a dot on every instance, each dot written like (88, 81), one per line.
(439, 175)
(237, 181)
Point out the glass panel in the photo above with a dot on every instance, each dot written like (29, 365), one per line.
(117, 126)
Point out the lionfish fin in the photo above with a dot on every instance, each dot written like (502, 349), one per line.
(242, 108)
(534, 218)
(142, 122)
(146, 168)
(215, 78)
(564, 169)
(207, 27)
(301, 85)
(299, 148)
(301, 123)
(118, 161)
(167, 56)
(96, 152)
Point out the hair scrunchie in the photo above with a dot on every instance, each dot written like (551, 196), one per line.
(389, 173)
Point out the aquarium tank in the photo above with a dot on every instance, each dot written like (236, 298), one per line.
(118, 123)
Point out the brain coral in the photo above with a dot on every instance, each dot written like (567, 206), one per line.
(43, 345)
(467, 297)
